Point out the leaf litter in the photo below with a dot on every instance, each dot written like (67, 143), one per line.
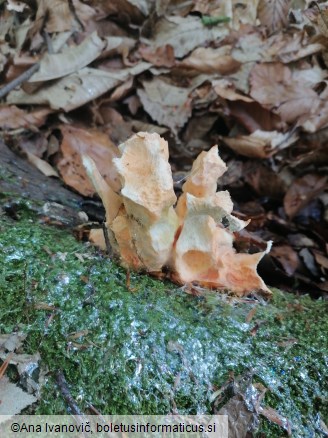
(14, 397)
(271, 133)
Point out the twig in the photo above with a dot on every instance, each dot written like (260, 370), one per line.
(63, 386)
(48, 42)
(19, 80)
(105, 231)
(5, 364)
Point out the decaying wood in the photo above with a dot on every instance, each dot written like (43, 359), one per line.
(47, 196)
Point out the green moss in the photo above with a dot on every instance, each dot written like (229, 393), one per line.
(136, 346)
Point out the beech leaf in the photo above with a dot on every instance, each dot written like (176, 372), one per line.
(302, 191)
(76, 89)
(70, 60)
(78, 141)
(273, 13)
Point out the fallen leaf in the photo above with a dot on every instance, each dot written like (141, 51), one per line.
(168, 104)
(320, 259)
(309, 261)
(260, 144)
(250, 48)
(184, 34)
(42, 165)
(55, 16)
(70, 60)
(135, 10)
(287, 257)
(273, 86)
(302, 191)
(253, 116)
(250, 315)
(76, 89)
(12, 117)
(78, 141)
(239, 416)
(264, 180)
(209, 61)
(161, 56)
(244, 12)
(118, 45)
(11, 341)
(273, 13)
(25, 362)
(13, 399)
(273, 416)
(225, 89)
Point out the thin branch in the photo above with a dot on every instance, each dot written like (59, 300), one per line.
(105, 231)
(19, 80)
(63, 386)
(48, 41)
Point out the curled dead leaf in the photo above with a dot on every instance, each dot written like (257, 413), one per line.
(274, 13)
(76, 89)
(71, 59)
(78, 141)
(209, 61)
(261, 144)
(302, 191)
(12, 117)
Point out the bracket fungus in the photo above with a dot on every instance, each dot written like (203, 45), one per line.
(192, 237)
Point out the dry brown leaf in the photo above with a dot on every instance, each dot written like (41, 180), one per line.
(96, 237)
(12, 117)
(320, 259)
(184, 34)
(318, 15)
(273, 86)
(302, 191)
(76, 89)
(287, 257)
(135, 10)
(264, 180)
(244, 12)
(13, 399)
(70, 60)
(224, 88)
(118, 45)
(208, 60)
(167, 104)
(161, 56)
(289, 47)
(78, 141)
(273, 13)
(11, 341)
(260, 144)
(42, 165)
(316, 121)
(254, 117)
(250, 47)
(111, 200)
(55, 15)
(276, 418)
